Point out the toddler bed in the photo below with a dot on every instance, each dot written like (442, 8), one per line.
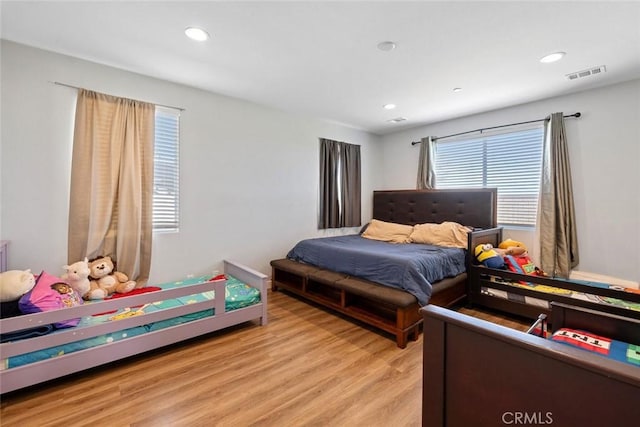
(113, 329)
(480, 373)
(530, 295)
(377, 282)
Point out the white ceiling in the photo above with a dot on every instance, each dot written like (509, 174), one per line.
(320, 58)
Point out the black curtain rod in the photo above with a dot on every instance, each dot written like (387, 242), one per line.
(576, 115)
(159, 105)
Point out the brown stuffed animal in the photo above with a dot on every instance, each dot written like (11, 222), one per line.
(105, 280)
(512, 247)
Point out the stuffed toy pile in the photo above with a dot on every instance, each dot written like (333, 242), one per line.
(509, 254)
(93, 280)
(22, 292)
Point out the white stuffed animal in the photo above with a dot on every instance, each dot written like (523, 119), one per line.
(15, 283)
(77, 276)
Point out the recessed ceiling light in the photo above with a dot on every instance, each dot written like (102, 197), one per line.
(457, 89)
(197, 34)
(397, 120)
(553, 57)
(386, 46)
(389, 106)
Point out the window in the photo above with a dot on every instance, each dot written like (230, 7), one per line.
(510, 162)
(165, 170)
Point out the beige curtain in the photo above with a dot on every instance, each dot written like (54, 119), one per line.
(426, 168)
(557, 237)
(110, 211)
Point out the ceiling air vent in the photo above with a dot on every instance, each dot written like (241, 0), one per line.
(586, 73)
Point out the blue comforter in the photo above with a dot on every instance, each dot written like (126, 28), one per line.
(411, 267)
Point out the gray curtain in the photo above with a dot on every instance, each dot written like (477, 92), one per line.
(340, 183)
(558, 240)
(426, 168)
(329, 199)
(350, 177)
(110, 211)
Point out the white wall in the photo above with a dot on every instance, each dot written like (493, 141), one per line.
(604, 150)
(249, 174)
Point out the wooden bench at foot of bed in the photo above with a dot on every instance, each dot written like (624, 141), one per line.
(389, 309)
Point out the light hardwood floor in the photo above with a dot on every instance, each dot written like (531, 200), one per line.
(305, 368)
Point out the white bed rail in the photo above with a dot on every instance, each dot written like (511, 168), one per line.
(37, 372)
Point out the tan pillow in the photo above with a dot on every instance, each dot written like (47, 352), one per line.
(388, 231)
(449, 234)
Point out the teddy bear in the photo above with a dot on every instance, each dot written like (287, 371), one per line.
(77, 276)
(105, 280)
(15, 283)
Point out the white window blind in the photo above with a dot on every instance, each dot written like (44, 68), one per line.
(166, 170)
(510, 162)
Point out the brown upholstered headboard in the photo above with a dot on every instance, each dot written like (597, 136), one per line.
(472, 207)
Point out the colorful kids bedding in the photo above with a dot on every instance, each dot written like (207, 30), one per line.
(551, 290)
(237, 295)
(613, 349)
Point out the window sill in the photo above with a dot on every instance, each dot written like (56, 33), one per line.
(529, 228)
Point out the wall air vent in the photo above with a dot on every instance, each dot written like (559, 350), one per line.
(397, 120)
(586, 73)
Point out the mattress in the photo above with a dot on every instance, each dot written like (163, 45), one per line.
(237, 295)
(550, 290)
(411, 267)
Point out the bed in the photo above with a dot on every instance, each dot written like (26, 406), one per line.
(479, 373)
(130, 325)
(345, 287)
(530, 295)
